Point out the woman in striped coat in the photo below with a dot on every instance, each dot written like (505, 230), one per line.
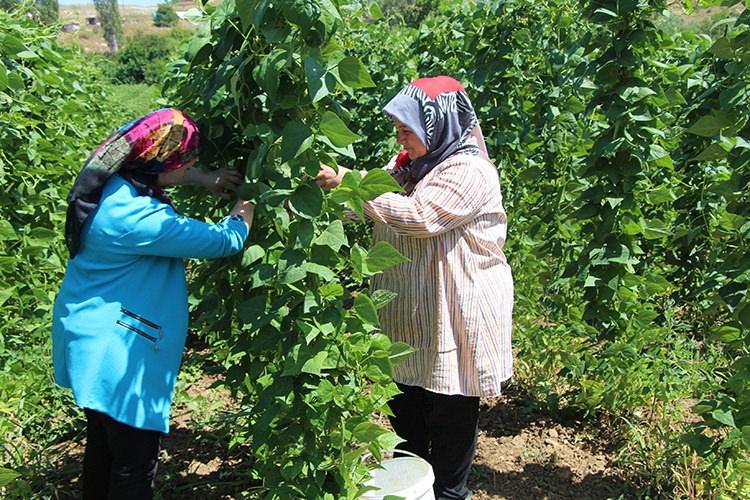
(455, 294)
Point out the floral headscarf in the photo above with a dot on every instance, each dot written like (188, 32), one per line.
(440, 114)
(160, 141)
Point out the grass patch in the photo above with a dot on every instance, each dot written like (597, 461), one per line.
(136, 99)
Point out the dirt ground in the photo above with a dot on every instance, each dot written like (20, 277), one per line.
(522, 453)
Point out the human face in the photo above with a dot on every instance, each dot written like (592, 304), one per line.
(409, 141)
(173, 177)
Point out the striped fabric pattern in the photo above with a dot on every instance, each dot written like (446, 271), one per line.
(455, 295)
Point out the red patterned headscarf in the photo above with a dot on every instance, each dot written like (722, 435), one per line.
(160, 141)
(440, 114)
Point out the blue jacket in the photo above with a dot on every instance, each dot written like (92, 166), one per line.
(121, 316)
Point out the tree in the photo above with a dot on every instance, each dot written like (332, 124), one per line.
(45, 10)
(165, 15)
(8, 5)
(109, 13)
(48, 10)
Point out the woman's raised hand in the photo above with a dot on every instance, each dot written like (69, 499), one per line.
(328, 178)
(223, 182)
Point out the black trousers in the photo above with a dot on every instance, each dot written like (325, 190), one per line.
(443, 430)
(120, 461)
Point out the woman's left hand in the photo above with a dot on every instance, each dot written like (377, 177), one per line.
(222, 182)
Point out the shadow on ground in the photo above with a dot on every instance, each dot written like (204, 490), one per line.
(196, 464)
(546, 481)
(192, 464)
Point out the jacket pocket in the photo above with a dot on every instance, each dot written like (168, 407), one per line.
(141, 326)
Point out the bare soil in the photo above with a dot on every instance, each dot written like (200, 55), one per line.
(522, 452)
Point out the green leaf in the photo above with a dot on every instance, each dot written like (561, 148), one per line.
(15, 81)
(630, 226)
(292, 274)
(194, 16)
(252, 254)
(7, 476)
(348, 188)
(10, 45)
(322, 271)
(723, 417)
(660, 156)
(399, 350)
(5, 294)
(252, 310)
(347, 151)
(336, 130)
(709, 125)
(699, 442)
(743, 313)
(368, 431)
(299, 12)
(656, 283)
(746, 438)
(661, 194)
(375, 12)
(727, 334)
(382, 256)
(43, 234)
(575, 105)
(333, 236)
(3, 77)
(713, 152)
(655, 229)
(365, 308)
(245, 11)
(320, 82)
(6, 231)
(266, 73)
(296, 139)
(358, 261)
(377, 182)
(315, 364)
(722, 49)
(635, 94)
(389, 441)
(307, 200)
(354, 74)
(27, 54)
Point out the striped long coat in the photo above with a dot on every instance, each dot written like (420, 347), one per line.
(455, 295)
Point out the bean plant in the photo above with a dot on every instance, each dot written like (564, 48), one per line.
(266, 82)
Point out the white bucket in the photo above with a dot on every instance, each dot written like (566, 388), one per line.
(408, 477)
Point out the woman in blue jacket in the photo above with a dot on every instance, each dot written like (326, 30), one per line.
(120, 317)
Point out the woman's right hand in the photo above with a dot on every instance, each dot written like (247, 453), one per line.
(246, 210)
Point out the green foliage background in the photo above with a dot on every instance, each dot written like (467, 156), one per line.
(623, 148)
(144, 58)
(53, 111)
